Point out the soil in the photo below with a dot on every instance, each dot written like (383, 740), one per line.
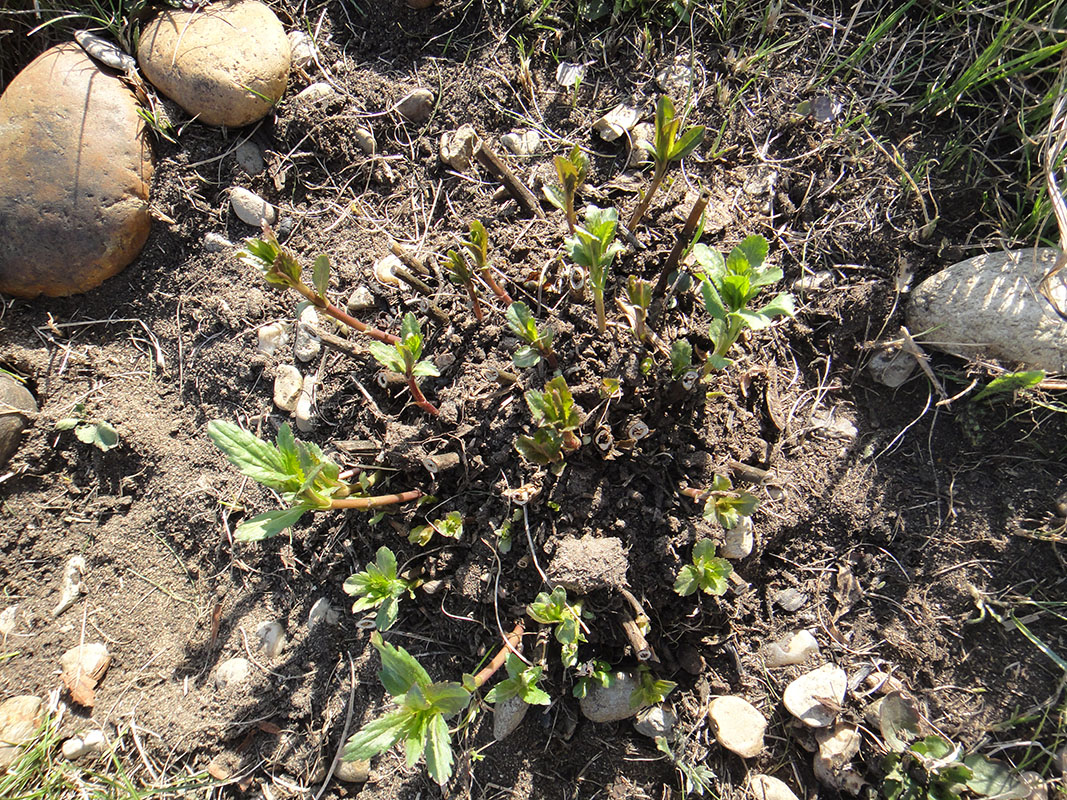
(890, 514)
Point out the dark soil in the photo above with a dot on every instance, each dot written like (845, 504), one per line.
(891, 533)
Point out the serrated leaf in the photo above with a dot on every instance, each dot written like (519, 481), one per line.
(755, 320)
(765, 277)
(388, 356)
(320, 275)
(439, 751)
(271, 523)
(400, 671)
(387, 614)
(783, 305)
(425, 369)
(686, 583)
(377, 736)
(754, 251)
(1009, 382)
(712, 301)
(543, 448)
(521, 322)
(253, 457)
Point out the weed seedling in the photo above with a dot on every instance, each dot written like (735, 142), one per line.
(723, 503)
(728, 286)
(593, 673)
(96, 432)
(298, 471)
(571, 171)
(378, 586)
(593, 246)
(538, 343)
(403, 358)
(696, 778)
(557, 418)
(635, 307)
(681, 359)
(707, 573)
(668, 146)
(477, 245)
(280, 268)
(459, 272)
(553, 609)
(521, 682)
(451, 527)
(650, 691)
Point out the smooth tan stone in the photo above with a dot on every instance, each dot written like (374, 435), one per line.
(74, 176)
(226, 64)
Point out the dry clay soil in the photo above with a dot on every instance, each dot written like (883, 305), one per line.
(888, 514)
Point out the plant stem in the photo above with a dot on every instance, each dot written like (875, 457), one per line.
(639, 212)
(568, 208)
(498, 290)
(698, 495)
(550, 357)
(601, 318)
(331, 310)
(365, 503)
(474, 302)
(420, 398)
(509, 645)
(684, 237)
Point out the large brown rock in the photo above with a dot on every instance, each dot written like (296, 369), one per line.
(226, 64)
(74, 176)
(17, 408)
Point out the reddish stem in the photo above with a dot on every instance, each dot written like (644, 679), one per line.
(639, 212)
(329, 308)
(498, 290)
(365, 503)
(420, 398)
(474, 301)
(510, 643)
(550, 357)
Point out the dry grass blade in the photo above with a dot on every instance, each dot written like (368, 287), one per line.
(1052, 151)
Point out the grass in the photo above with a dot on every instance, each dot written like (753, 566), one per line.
(120, 772)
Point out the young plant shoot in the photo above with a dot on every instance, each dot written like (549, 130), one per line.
(538, 343)
(280, 268)
(403, 358)
(477, 245)
(650, 691)
(378, 586)
(668, 146)
(635, 307)
(728, 286)
(571, 171)
(593, 246)
(553, 609)
(459, 272)
(557, 418)
(450, 527)
(298, 471)
(707, 573)
(723, 503)
(521, 682)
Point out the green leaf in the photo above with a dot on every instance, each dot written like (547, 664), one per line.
(400, 671)
(320, 275)
(386, 562)
(1009, 382)
(100, 434)
(711, 260)
(755, 320)
(687, 143)
(994, 779)
(258, 460)
(554, 195)
(411, 335)
(504, 690)
(681, 358)
(781, 306)
(388, 356)
(526, 357)
(754, 251)
(534, 696)
(521, 322)
(439, 751)
(271, 523)
(377, 736)
(447, 697)
(68, 423)
(478, 244)
(425, 369)
(458, 270)
(544, 447)
(387, 614)
(686, 583)
(712, 301)
(766, 276)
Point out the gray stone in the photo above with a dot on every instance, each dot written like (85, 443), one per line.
(232, 672)
(304, 413)
(307, 345)
(352, 771)
(249, 157)
(365, 140)
(738, 725)
(73, 585)
(676, 78)
(271, 637)
(610, 703)
(416, 106)
(271, 338)
(739, 540)
(287, 385)
(301, 49)
(794, 648)
(523, 143)
(252, 209)
(507, 716)
(19, 719)
(74, 177)
(892, 368)
(656, 721)
(360, 300)
(616, 123)
(583, 565)
(228, 66)
(991, 306)
(216, 242)
(316, 92)
(17, 409)
(767, 787)
(106, 52)
(791, 599)
(457, 147)
(815, 697)
(87, 744)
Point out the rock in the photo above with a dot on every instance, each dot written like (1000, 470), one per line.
(287, 385)
(834, 423)
(365, 140)
(307, 345)
(83, 668)
(316, 92)
(1035, 784)
(104, 51)
(383, 269)
(676, 79)
(806, 284)
(20, 717)
(815, 697)
(8, 620)
(832, 764)
(738, 725)
(767, 787)
(990, 306)
(216, 242)
(74, 177)
(17, 409)
(232, 672)
(73, 585)
(301, 49)
(522, 144)
(610, 703)
(352, 771)
(616, 123)
(792, 649)
(87, 744)
(791, 599)
(303, 413)
(249, 157)
(507, 716)
(642, 132)
(272, 338)
(360, 300)
(892, 368)
(457, 147)
(227, 67)
(271, 636)
(656, 721)
(322, 611)
(416, 106)
(569, 75)
(739, 540)
(583, 565)
(252, 209)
